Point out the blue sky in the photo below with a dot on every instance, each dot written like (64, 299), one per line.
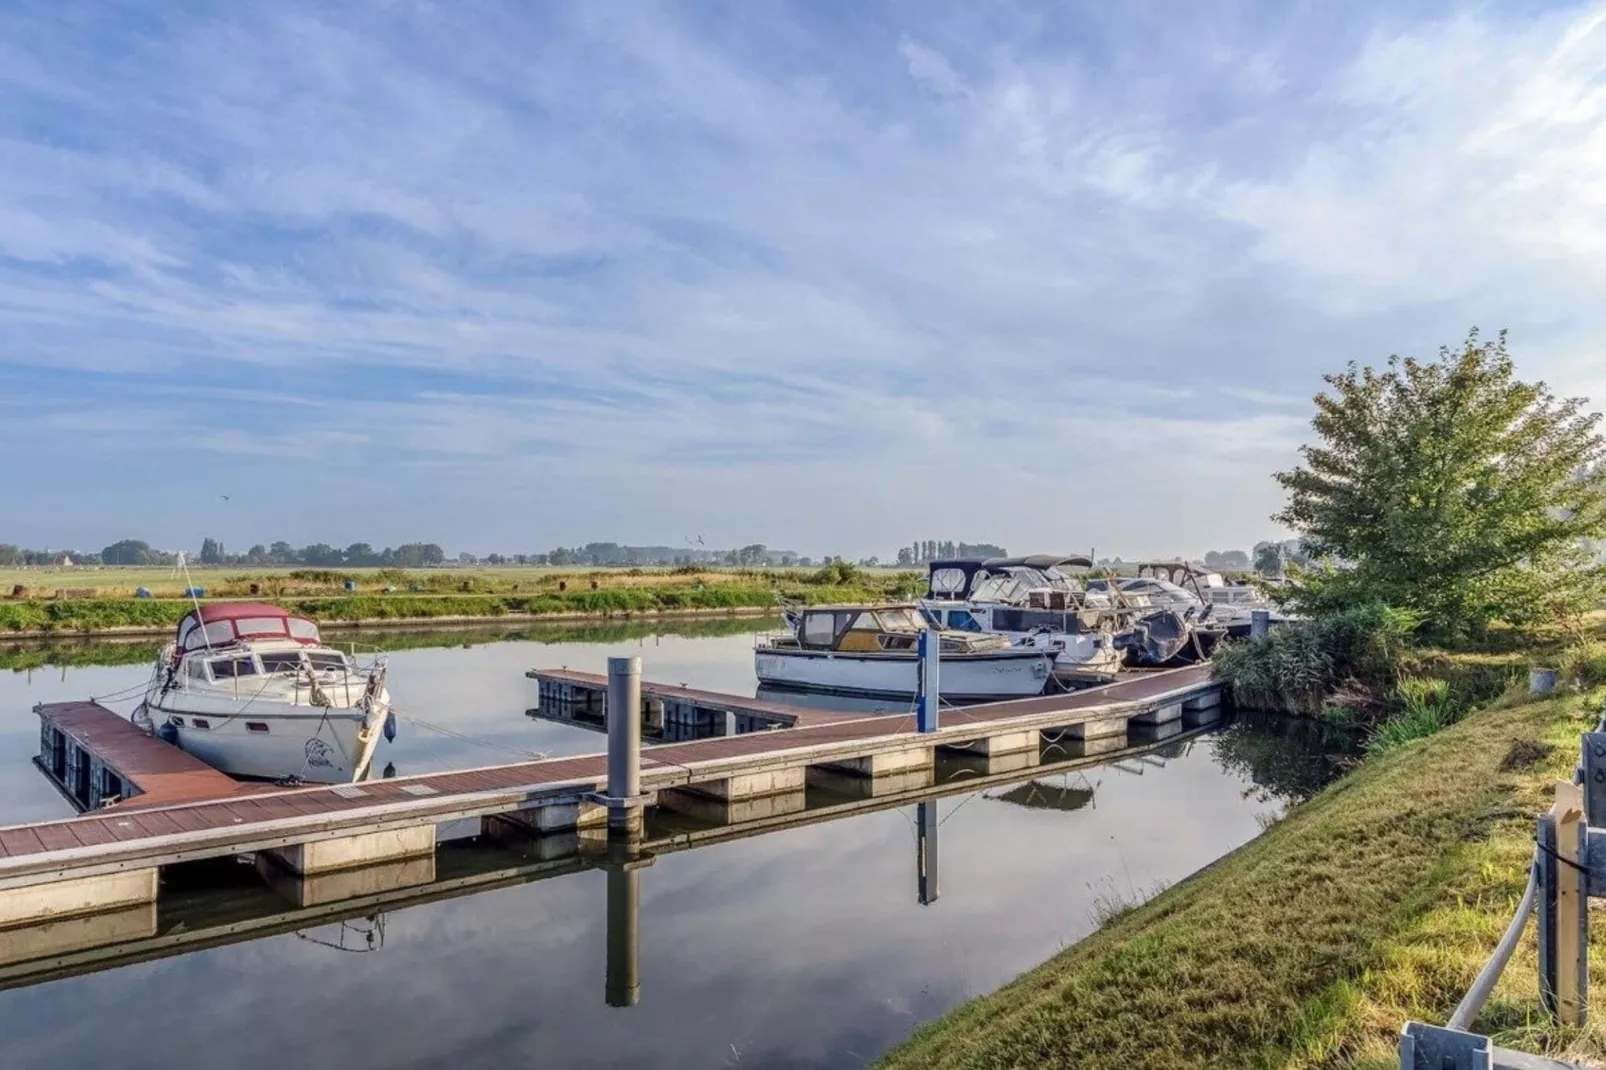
(827, 276)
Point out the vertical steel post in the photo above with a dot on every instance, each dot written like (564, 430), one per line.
(1545, 907)
(929, 648)
(1259, 623)
(624, 743)
(624, 935)
(926, 851)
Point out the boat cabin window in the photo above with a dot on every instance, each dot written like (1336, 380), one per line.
(301, 628)
(328, 661)
(273, 626)
(196, 669)
(866, 622)
(962, 620)
(218, 633)
(281, 661)
(222, 667)
(901, 620)
(948, 582)
(819, 629)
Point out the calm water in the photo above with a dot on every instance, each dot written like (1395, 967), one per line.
(801, 948)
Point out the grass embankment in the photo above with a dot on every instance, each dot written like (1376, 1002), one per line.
(1374, 903)
(419, 597)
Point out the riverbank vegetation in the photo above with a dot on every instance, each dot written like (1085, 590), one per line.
(1374, 903)
(384, 595)
(1455, 515)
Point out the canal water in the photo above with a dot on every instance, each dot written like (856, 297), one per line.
(809, 947)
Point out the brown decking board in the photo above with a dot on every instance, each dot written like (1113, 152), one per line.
(161, 772)
(244, 805)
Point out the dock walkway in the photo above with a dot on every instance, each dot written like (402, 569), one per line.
(112, 857)
(90, 753)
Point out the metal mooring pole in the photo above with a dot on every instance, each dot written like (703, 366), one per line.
(624, 744)
(929, 647)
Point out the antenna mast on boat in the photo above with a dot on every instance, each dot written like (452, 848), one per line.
(189, 588)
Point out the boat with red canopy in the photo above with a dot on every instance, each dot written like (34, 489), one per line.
(253, 690)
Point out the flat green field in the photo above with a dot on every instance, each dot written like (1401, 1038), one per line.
(103, 600)
(168, 583)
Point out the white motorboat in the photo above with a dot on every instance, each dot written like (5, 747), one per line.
(253, 691)
(1035, 603)
(871, 650)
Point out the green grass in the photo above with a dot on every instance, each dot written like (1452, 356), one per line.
(104, 614)
(1375, 902)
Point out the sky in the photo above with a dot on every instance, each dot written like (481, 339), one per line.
(828, 276)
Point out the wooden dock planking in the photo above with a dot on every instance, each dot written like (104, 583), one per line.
(265, 815)
(159, 772)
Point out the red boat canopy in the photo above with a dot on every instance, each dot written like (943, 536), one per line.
(226, 623)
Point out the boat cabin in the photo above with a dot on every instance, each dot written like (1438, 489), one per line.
(870, 629)
(1036, 580)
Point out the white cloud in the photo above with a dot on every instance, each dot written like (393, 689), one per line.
(932, 70)
(643, 262)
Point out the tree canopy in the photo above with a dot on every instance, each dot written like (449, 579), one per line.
(1451, 488)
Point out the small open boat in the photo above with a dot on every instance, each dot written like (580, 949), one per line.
(253, 691)
(870, 650)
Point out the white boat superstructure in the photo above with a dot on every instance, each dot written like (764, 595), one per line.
(1035, 604)
(870, 650)
(254, 692)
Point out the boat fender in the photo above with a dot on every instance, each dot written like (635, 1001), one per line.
(390, 727)
(168, 733)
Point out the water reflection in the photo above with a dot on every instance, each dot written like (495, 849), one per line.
(813, 937)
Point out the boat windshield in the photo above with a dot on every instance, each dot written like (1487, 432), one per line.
(1234, 596)
(901, 619)
(329, 661)
(281, 661)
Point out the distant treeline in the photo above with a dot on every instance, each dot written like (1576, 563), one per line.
(407, 555)
(921, 551)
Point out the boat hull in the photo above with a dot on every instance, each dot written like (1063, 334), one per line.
(272, 741)
(1011, 673)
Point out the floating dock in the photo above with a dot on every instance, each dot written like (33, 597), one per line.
(96, 757)
(310, 840)
(211, 908)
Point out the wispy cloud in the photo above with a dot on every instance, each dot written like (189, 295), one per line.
(805, 277)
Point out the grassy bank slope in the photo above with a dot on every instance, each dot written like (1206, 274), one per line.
(1375, 902)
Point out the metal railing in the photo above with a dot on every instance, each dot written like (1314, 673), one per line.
(1569, 867)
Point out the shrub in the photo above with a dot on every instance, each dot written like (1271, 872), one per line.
(1426, 705)
(1296, 668)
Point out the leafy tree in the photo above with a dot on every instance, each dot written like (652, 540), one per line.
(1269, 559)
(1450, 488)
(211, 552)
(9, 554)
(127, 552)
